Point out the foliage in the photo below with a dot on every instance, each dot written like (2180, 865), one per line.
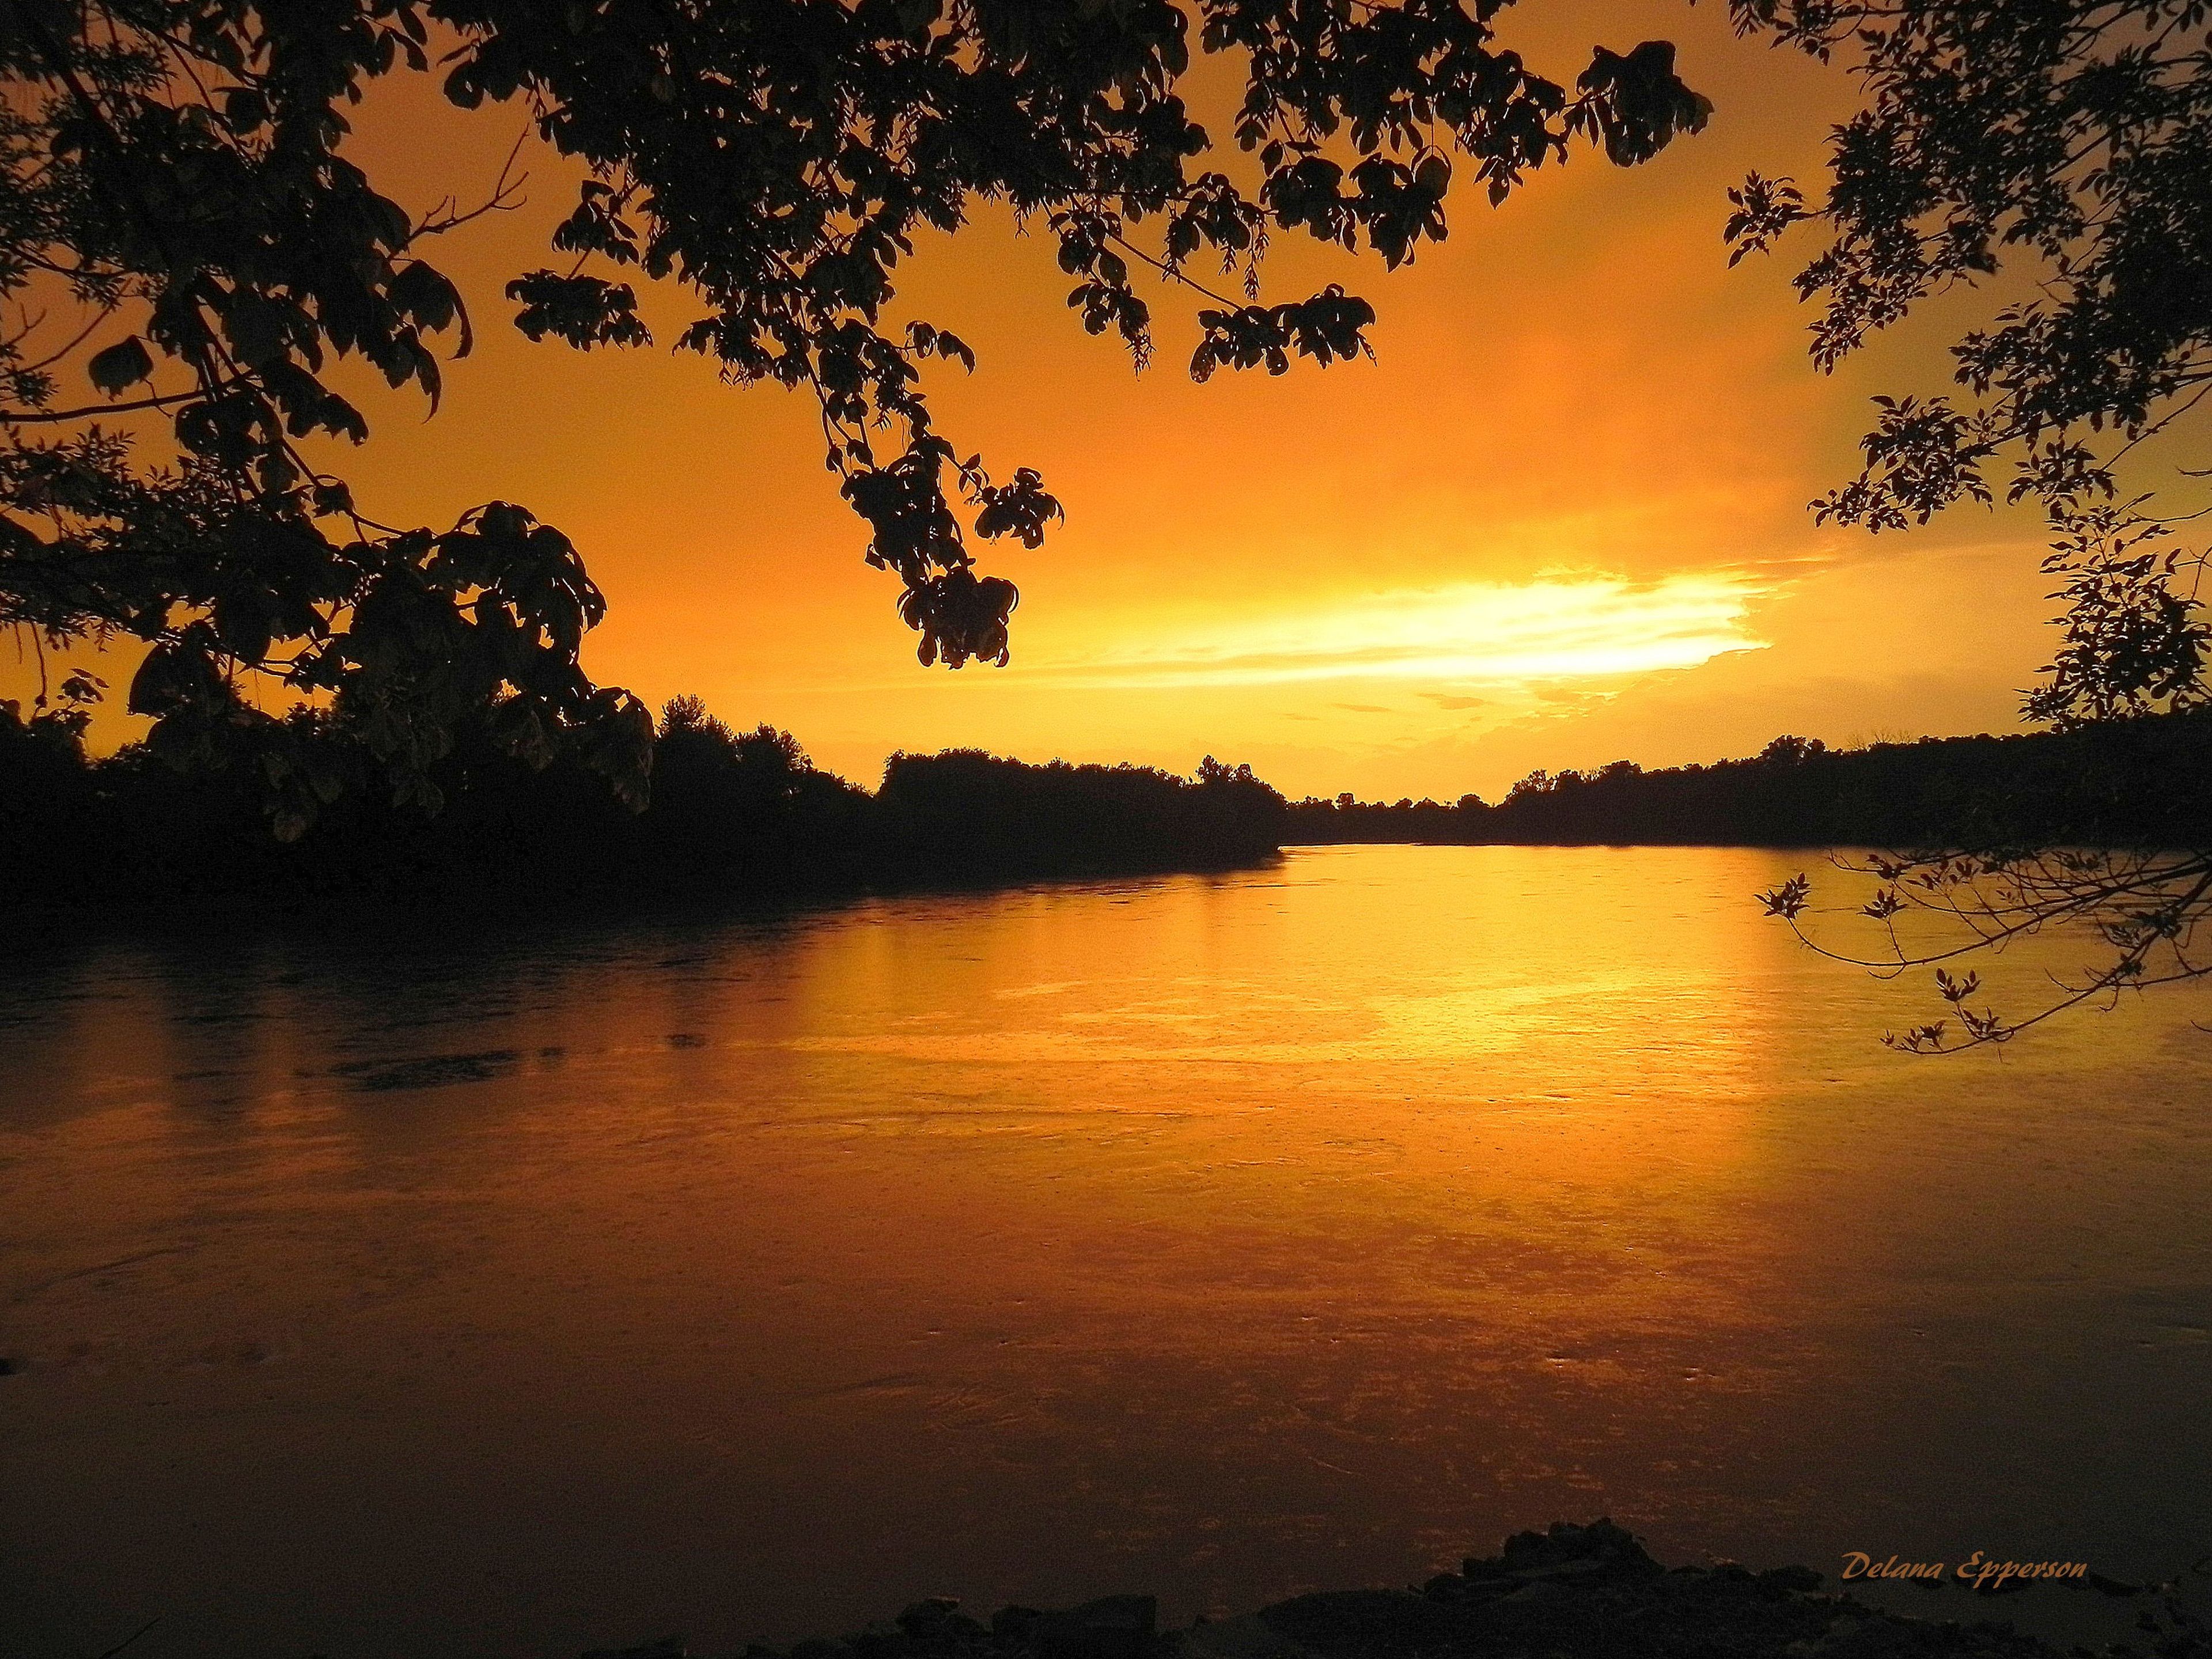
(2064, 140)
(2143, 905)
(967, 812)
(2133, 640)
(733, 812)
(173, 170)
(2137, 784)
(174, 188)
(2059, 151)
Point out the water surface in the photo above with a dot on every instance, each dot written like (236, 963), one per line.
(462, 1290)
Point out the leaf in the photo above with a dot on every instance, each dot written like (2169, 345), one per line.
(424, 294)
(121, 367)
(582, 310)
(255, 329)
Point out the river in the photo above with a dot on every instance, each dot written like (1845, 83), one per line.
(517, 1290)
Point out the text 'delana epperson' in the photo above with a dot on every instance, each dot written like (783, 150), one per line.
(1976, 1571)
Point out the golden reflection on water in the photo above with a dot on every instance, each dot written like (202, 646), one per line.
(1215, 1235)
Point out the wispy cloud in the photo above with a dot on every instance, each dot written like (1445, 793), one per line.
(1555, 628)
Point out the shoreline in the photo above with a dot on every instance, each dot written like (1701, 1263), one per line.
(1571, 1592)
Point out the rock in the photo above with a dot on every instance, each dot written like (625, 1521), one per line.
(1336, 1621)
(1247, 1637)
(880, 1641)
(1567, 1548)
(1803, 1579)
(1571, 1592)
(668, 1647)
(1112, 1627)
(1012, 1626)
(1538, 1592)
(1856, 1638)
(1244, 1637)
(926, 1618)
(1561, 1570)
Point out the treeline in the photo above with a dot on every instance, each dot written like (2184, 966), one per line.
(728, 812)
(2145, 782)
(747, 812)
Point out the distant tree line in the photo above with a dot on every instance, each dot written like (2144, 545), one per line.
(735, 811)
(2136, 783)
(731, 812)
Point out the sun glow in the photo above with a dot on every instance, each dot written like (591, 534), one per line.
(1563, 626)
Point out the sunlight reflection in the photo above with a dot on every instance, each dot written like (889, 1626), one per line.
(1344, 1213)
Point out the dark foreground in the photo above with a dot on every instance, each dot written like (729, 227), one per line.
(1573, 1593)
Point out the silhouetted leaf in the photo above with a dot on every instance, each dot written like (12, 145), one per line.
(120, 367)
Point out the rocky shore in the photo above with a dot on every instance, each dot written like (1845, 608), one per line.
(1574, 1592)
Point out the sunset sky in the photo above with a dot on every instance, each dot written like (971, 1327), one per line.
(1560, 521)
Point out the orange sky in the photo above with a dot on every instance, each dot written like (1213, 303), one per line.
(1561, 521)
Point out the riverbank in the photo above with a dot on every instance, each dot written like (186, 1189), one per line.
(747, 816)
(2132, 783)
(1573, 1592)
(733, 821)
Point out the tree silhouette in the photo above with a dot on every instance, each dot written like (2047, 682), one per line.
(2064, 147)
(175, 200)
(733, 815)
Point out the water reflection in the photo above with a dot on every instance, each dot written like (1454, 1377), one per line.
(1218, 1236)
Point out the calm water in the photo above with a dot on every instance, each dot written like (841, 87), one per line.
(1222, 1236)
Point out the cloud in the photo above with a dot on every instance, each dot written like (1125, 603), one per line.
(1553, 628)
(1442, 701)
(1363, 708)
